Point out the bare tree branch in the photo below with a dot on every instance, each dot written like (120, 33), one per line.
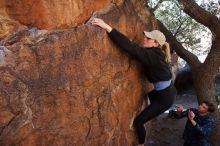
(200, 15)
(179, 49)
(213, 57)
(180, 26)
(213, 23)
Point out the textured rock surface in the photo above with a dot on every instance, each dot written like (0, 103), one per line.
(73, 86)
(8, 26)
(53, 13)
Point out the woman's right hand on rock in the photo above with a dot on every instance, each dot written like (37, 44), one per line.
(99, 22)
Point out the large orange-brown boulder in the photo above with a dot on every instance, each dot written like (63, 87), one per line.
(53, 13)
(8, 26)
(72, 87)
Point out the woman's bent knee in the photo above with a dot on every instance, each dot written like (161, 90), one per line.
(138, 122)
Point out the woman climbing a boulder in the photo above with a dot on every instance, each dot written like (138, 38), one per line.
(154, 55)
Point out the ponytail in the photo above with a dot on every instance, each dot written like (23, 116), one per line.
(166, 49)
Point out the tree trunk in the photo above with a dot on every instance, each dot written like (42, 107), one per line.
(205, 90)
(204, 84)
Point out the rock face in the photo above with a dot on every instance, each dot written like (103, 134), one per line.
(70, 87)
(184, 80)
(7, 26)
(53, 13)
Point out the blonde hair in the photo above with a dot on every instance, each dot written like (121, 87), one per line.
(166, 49)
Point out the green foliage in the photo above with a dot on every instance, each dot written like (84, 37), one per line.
(218, 94)
(212, 6)
(187, 31)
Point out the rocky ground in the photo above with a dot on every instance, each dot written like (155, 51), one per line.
(168, 132)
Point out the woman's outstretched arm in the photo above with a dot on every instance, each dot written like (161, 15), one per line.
(102, 24)
(124, 43)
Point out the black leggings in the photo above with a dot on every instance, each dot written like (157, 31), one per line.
(160, 101)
